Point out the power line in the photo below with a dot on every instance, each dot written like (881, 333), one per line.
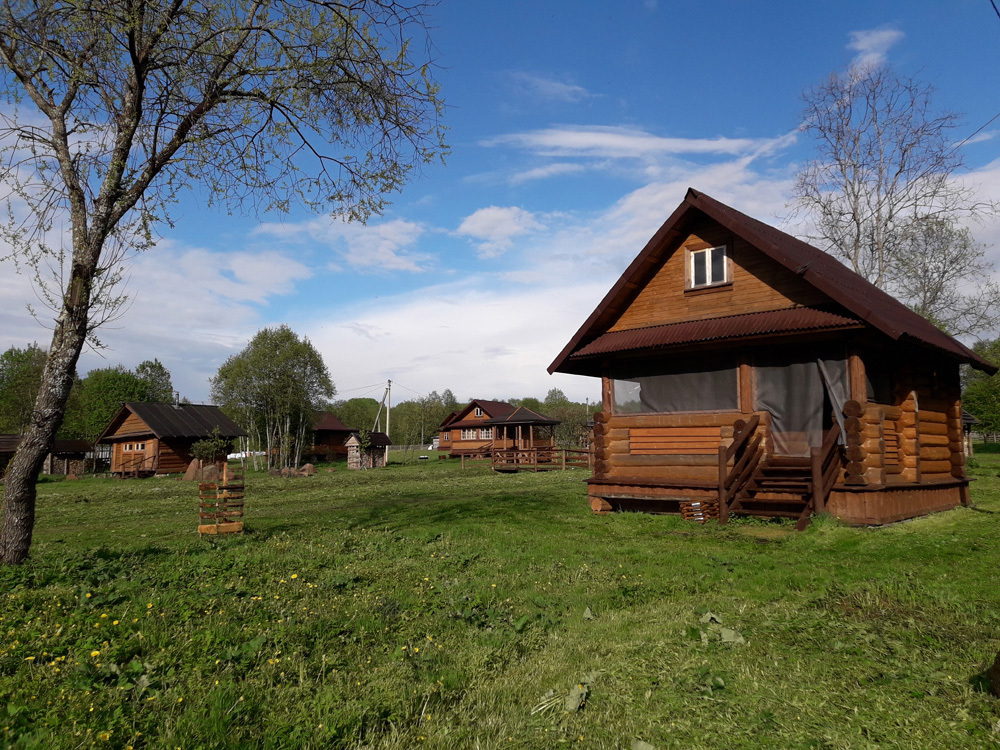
(988, 122)
(995, 9)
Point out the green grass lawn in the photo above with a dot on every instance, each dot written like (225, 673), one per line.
(426, 606)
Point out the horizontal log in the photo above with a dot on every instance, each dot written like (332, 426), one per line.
(893, 469)
(892, 413)
(874, 475)
(932, 417)
(854, 424)
(873, 460)
(674, 432)
(854, 438)
(600, 417)
(855, 453)
(617, 433)
(957, 447)
(662, 473)
(710, 459)
(909, 433)
(910, 462)
(933, 440)
(706, 419)
(873, 412)
(616, 446)
(874, 445)
(958, 459)
(933, 428)
(935, 467)
(909, 475)
(854, 468)
(853, 408)
(872, 430)
(944, 406)
(686, 451)
(934, 453)
(600, 429)
(908, 419)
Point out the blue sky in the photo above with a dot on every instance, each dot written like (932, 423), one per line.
(575, 128)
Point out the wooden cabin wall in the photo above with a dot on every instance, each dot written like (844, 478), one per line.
(650, 447)
(174, 457)
(758, 284)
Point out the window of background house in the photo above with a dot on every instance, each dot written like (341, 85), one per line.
(708, 266)
(468, 434)
(486, 433)
(479, 412)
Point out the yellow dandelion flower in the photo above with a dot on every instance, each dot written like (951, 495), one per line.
(94, 654)
(295, 575)
(115, 622)
(149, 606)
(105, 736)
(87, 594)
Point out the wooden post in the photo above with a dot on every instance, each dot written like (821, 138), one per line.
(816, 470)
(463, 460)
(745, 382)
(856, 378)
(563, 459)
(607, 395)
(723, 500)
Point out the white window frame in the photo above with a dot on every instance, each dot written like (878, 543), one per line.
(707, 252)
(469, 434)
(479, 412)
(127, 448)
(486, 433)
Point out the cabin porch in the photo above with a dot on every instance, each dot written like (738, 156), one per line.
(714, 465)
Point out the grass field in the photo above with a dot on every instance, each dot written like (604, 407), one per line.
(426, 606)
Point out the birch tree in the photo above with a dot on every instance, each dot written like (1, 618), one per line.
(114, 108)
(274, 389)
(885, 165)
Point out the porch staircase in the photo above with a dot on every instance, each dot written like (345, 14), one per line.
(775, 486)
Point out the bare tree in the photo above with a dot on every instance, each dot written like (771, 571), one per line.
(885, 165)
(114, 107)
(942, 273)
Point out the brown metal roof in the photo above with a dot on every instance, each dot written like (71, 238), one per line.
(375, 439)
(9, 443)
(328, 421)
(523, 415)
(729, 327)
(499, 412)
(858, 296)
(178, 420)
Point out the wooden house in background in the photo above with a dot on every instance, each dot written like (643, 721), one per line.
(485, 426)
(373, 456)
(149, 439)
(329, 438)
(68, 456)
(743, 367)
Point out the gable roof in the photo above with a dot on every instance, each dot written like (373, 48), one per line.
(522, 415)
(375, 439)
(328, 421)
(177, 420)
(9, 443)
(492, 409)
(856, 295)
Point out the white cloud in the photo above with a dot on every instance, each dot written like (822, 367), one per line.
(619, 142)
(872, 45)
(384, 246)
(557, 169)
(495, 227)
(548, 89)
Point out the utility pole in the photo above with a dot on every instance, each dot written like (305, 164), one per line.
(388, 411)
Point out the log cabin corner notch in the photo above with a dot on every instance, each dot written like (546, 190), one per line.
(767, 377)
(150, 438)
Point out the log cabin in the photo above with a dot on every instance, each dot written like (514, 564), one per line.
(148, 439)
(68, 456)
(747, 370)
(485, 426)
(329, 437)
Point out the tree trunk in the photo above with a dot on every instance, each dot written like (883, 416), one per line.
(68, 338)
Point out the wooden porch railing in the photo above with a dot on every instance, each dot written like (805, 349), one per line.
(825, 466)
(746, 452)
(542, 458)
(134, 465)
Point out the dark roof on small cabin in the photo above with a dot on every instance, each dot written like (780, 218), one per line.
(377, 439)
(9, 443)
(176, 420)
(969, 419)
(859, 298)
(328, 421)
(522, 415)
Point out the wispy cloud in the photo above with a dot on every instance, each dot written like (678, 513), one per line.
(385, 246)
(495, 227)
(556, 169)
(872, 45)
(618, 142)
(547, 89)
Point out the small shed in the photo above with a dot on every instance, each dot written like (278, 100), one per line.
(154, 438)
(67, 456)
(372, 457)
(744, 368)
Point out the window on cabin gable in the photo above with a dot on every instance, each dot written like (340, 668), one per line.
(479, 412)
(708, 267)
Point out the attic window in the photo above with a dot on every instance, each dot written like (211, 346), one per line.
(708, 267)
(479, 412)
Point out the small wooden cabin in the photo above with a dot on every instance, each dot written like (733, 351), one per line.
(484, 426)
(743, 367)
(329, 438)
(68, 456)
(149, 439)
(373, 457)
